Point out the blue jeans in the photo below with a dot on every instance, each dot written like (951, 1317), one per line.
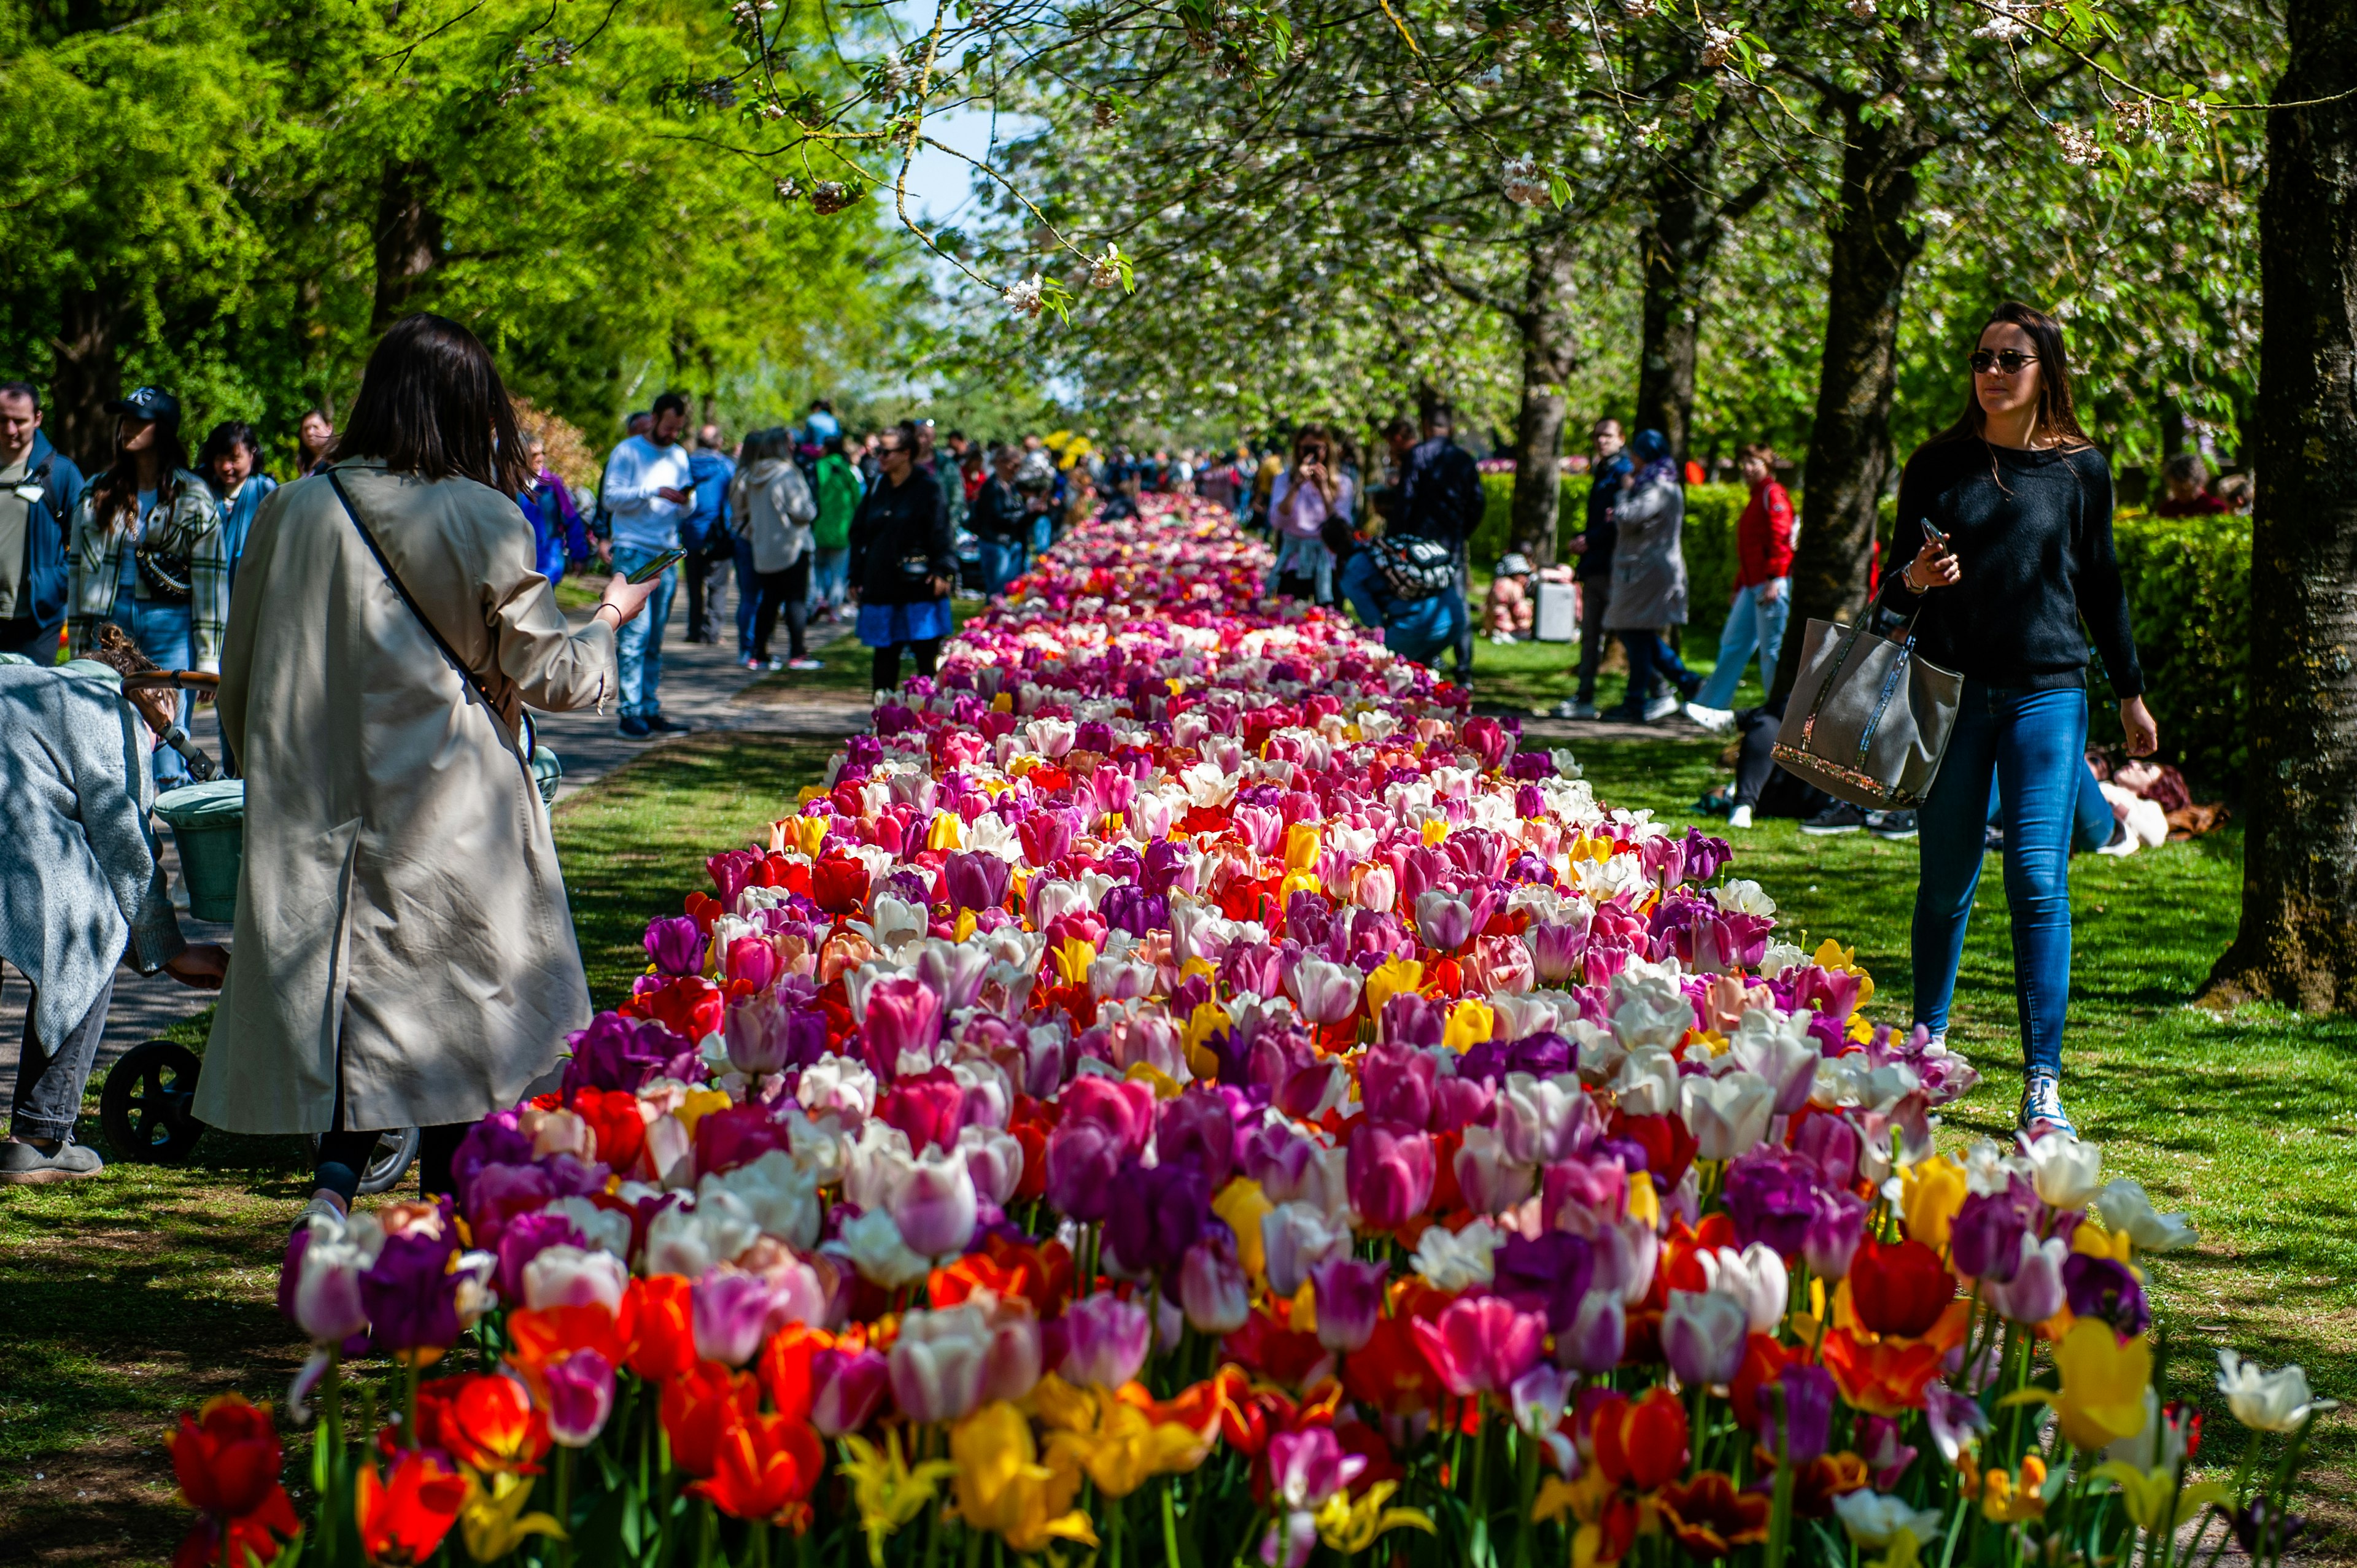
(1650, 656)
(1003, 560)
(830, 575)
(1751, 624)
(748, 596)
(637, 647)
(1419, 630)
(2030, 744)
(166, 634)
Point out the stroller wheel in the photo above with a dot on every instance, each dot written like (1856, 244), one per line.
(143, 1108)
(395, 1151)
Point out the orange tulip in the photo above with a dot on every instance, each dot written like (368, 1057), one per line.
(698, 1408)
(486, 1421)
(1710, 1519)
(1881, 1377)
(403, 1520)
(764, 1468)
(785, 1367)
(549, 1334)
(662, 1344)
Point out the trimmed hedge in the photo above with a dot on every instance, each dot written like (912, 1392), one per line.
(2189, 583)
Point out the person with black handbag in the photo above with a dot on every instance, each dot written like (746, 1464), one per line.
(903, 562)
(149, 553)
(2005, 523)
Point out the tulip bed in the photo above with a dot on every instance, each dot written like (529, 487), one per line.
(1183, 1092)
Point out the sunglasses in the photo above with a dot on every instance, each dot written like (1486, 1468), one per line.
(2005, 362)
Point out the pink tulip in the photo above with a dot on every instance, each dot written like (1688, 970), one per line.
(1349, 1300)
(580, 1397)
(1480, 1345)
(730, 1312)
(1105, 1341)
(1390, 1175)
(847, 1387)
(903, 1015)
(1329, 993)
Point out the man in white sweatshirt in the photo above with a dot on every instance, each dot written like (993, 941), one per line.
(649, 489)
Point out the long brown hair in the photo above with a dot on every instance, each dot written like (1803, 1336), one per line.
(114, 494)
(1314, 436)
(2057, 414)
(432, 404)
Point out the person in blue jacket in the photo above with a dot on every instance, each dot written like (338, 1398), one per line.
(558, 537)
(39, 487)
(230, 462)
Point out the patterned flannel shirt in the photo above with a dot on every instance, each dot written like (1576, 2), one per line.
(190, 522)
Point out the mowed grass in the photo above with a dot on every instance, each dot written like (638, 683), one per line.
(126, 1299)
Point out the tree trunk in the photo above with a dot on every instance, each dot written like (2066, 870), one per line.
(2299, 937)
(1849, 445)
(1688, 218)
(408, 240)
(88, 373)
(1550, 356)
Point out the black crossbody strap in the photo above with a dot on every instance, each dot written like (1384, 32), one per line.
(474, 684)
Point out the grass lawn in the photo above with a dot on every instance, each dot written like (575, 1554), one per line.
(126, 1299)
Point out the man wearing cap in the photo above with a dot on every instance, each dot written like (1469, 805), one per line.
(147, 551)
(38, 487)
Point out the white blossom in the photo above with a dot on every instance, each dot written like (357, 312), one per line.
(1718, 45)
(2003, 25)
(1027, 297)
(2078, 147)
(1524, 181)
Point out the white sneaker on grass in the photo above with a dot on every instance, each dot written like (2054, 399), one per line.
(1719, 721)
(1740, 817)
(1660, 707)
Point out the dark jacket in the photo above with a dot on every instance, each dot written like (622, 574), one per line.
(1000, 514)
(46, 527)
(900, 537)
(1602, 533)
(1441, 492)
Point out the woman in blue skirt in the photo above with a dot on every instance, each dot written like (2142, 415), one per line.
(902, 562)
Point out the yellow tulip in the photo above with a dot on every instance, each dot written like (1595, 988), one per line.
(809, 834)
(1394, 977)
(1932, 1191)
(1352, 1527)
(1072, 960)
(1003, 704)
(1002, 1486)
(2145, 1494)
(2104, 1384)
(1118, 1445)
(1241, 1204)
(1302, 846)
(492, 1521)
(1298, 882)
(1435, 829)
(947, 832)
(1165, 1086)
(1471, 1021)
(2099, 1243)
(2003, 1501)
(964, 929)
(887, 1491)
(700, 1104)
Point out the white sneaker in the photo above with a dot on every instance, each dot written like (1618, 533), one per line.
(1572, 708)
(2041, 1107)
(1501, 638)
(1660, 707)
(1740, 818)
(1719, 721)
(2124, 843)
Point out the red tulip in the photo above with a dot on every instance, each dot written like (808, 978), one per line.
(697, 1410)
(784, 1367)
(1641, 1441)
(613, 1115)
(226, 1458)
(839, 884)
(486, 1421)
(764, 1468)
(664, 1344)
(403, 1520)
(1899, 1288)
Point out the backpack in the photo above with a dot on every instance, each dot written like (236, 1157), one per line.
(1414, 567)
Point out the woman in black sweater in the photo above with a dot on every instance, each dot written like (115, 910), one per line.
(902, 562)
(2019, 552)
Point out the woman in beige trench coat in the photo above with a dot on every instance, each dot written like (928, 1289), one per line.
(404, 953)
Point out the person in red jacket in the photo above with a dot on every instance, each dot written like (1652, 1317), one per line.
(1763, 550)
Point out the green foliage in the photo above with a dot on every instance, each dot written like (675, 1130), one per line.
(2189, 582)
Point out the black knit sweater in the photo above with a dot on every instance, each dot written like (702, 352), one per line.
(2032, 531)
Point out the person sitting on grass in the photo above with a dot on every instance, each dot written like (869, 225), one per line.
(80, 889)
(2185, 484)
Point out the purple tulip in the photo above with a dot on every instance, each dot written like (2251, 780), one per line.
(1549, 1275)
(1397, 1084)
(410, 1296)
(2035, 1292)
(1412, 1020)
(1447, 922)
(977, 881)
(493, 1140)
(616, 1052)
(1214, 1290)
(1308, 1467)
(730, 1312)
(1155, 1216)
(1555, 951)
(526, 1237)
(676, 945)
(1836, 1225)
(2106, 1288)
(1833, 1145)
(1197, 1128)
(1771, 1194)
(1808, 1412)
(1598, 1335)
(1702, 1335)
(580, 1397)
(1105, 1340)
(1083, 1158)
(1349, 1296)
(1984, 1239)
(847, 1386)
(1389, 1173)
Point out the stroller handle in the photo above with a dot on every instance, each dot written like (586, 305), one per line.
(182, 679)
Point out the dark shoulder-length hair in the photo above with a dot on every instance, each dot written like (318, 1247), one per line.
(2058, 416)
(432, 404)
(114, 494)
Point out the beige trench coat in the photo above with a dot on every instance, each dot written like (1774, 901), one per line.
(400, 908)
(1648, 562)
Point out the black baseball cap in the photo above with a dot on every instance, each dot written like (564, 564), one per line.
(146, 403)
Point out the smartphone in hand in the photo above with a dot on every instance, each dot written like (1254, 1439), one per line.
(656, 568)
